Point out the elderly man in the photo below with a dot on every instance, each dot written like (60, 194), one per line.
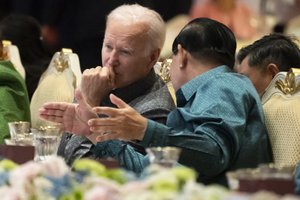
(134, 37)
(219, 122)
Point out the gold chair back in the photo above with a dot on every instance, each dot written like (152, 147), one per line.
(163, 70)
(281, 104)
(10, 52)
(57, 84)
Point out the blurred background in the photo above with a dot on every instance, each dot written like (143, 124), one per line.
(80, 24)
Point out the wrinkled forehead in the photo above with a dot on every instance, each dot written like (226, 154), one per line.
(133, 31)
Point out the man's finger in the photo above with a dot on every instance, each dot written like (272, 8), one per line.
(54, 112)
(117, 101)
(105, 137)
(55, 105)
(52, 118)
(107, 111)
(81, 100)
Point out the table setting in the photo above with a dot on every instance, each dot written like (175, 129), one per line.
(30, 169)
(44, 140)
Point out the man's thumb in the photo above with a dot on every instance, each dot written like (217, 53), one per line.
(80, 99)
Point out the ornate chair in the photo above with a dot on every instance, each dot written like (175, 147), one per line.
(281, 104)
(163, 70)
(10, 53)
(56, 84)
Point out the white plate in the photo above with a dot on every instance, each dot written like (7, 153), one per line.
(9, 142)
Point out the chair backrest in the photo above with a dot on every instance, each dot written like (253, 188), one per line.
(56, 84)
(163, 70)
(10, 52)
(281, 104)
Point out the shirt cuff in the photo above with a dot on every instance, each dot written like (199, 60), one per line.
(156, 134)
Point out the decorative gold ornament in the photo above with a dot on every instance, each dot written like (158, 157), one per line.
(164, 71)
(61, 62)
(3, 49)
(289, 85)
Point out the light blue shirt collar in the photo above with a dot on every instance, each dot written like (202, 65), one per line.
(190, 88)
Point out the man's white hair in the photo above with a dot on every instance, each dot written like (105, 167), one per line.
(135, 13)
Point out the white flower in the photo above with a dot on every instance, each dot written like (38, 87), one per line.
(192, 191)
(40, 185)
(149, 195)
(55, 166)
(25, 173)
(92, 181)
(21, 178)
(8, 193)
(163, 181)
(134, 186)
(215, 192)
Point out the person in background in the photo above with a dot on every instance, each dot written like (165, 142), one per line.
(284, 12)
(265, 62)
(218, 122)
(234, 14)
(14, 101)
(134, 37)
(25, 32)
(264, 58)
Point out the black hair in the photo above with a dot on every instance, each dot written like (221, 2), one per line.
(207, 40)
(243, 53)
(275, 48)
(25, 32)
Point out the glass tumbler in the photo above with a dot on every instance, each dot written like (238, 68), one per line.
(20, 133)
(46, 141)
(164, 156)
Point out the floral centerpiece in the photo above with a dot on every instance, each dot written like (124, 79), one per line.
(90, 180)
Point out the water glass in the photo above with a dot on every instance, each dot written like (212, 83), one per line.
(164, 156)
(20, 133)
(46, 141)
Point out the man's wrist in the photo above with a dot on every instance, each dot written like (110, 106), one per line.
(92, 137)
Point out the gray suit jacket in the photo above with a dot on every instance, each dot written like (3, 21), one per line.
(149, 96)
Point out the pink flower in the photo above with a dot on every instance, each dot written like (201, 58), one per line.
(25, 173)
(10, 193)
(101, 193)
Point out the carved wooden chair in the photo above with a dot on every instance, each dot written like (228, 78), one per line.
(57, 83)
(281, 104)
(10, 52)
(163, 70)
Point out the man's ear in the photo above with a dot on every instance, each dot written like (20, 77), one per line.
(182, 56)
(272, 69)
(154, 57)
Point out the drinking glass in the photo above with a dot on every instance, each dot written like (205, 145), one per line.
(20, 133)
(46, 141)
(164, 156)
